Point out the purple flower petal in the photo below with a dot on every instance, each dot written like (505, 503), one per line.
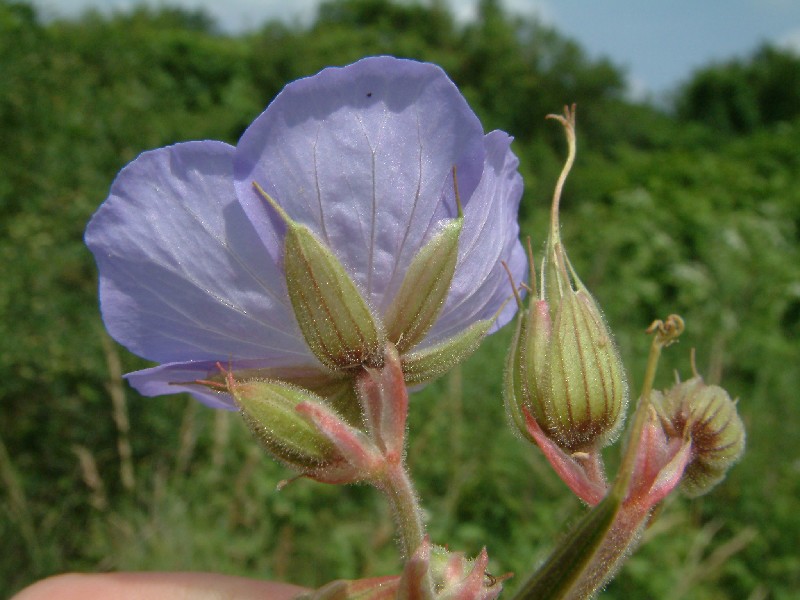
(363, 155)
(183, 274)
(491, 234)
(174, 378)
(178, 377)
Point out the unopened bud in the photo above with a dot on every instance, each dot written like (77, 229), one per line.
(433, 572)
(706, 415)
(269, 409)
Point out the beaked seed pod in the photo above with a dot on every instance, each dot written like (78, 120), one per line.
(564, 367)
(707, 415)
(582, 394)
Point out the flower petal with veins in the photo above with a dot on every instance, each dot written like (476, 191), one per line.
(191, 257)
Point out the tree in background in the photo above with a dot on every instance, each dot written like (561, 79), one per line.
(741, 95)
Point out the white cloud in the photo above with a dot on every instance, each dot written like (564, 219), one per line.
(790, 41)
(231, 15)
(636, 89)
(463, 10)
(466, 10)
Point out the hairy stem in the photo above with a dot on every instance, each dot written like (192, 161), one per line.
(399, 491)
(617, 545)
(665, 333)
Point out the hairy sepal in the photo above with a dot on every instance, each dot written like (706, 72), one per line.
(423, 366)
(333, 316)
(417, 304)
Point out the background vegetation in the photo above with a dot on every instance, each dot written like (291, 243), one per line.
(693, 211)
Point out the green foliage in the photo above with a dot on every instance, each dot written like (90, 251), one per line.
(741, 95)
(660, 216)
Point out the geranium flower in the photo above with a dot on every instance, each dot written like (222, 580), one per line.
(190, 253)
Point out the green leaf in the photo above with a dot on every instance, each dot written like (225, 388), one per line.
(569, 563)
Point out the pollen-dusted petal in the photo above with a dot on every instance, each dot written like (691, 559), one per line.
(183, 274)
(363, 155)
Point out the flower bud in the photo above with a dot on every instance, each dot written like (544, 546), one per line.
(708, 417)
(269, 409)
(433, 572)
(335, 320)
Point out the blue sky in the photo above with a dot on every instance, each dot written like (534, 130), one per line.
(657, 42)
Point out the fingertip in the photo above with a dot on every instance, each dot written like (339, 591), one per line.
(69, 586)
(156, 586)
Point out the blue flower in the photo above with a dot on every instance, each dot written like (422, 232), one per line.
(190, 254)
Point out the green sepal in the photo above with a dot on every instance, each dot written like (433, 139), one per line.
(430, 363)
(584, 384)
(417, 304)
(333, 316)
(512, 380)
(336, 321)
(336, 389)
(268, 408)
(533, 360)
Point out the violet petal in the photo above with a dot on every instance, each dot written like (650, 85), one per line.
(363, 155)
(183, 274)
(491, 234)
(175, 378)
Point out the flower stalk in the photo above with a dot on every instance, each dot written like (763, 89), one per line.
(398, 489)
(664, 333)
(384, 401)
